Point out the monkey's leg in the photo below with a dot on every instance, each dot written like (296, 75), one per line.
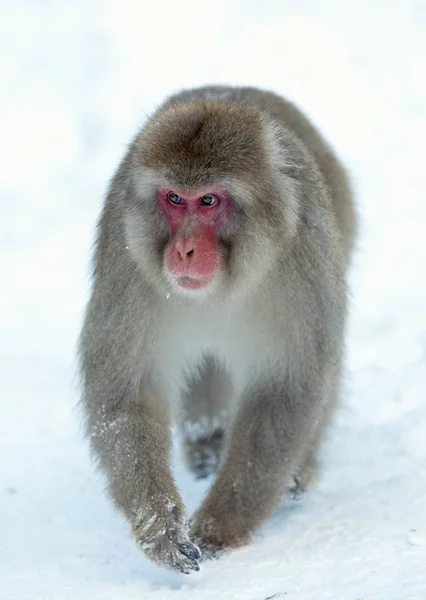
(133, 443)
(204, 417)
(265, 449)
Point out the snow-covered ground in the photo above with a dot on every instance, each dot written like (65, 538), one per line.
(77, 77)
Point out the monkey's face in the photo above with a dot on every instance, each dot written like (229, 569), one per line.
(184, 239)
(196, 242)
(206, 213)
(193, 257)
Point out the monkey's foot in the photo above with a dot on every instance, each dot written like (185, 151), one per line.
(165, 541)
(202, 455)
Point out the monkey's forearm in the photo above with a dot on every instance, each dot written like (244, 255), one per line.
(270, 436)
(133, 446)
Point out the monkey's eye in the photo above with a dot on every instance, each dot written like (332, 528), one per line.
(174, 198)
(208, 200)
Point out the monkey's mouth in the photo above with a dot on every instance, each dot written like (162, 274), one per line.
(194, 283)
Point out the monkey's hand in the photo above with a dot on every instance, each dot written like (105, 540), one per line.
(213, 535)
(164, 538)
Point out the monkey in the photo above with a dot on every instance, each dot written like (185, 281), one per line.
(219, 302)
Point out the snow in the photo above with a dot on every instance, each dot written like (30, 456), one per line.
(77, 78)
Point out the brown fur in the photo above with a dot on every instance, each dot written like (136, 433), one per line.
(256, 358)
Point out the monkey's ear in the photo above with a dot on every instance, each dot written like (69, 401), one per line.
(289, 163)
(142, 184)
(286, 155)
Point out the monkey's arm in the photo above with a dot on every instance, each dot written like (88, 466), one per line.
(133, 446)
(284, 406)
(270, 435)
(128, 426)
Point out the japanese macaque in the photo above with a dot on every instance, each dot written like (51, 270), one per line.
(219, 299)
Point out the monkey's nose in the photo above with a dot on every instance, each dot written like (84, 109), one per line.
(185, 251)
(184, 256)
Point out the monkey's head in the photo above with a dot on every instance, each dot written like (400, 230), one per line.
(211, 203)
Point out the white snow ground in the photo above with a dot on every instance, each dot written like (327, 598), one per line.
(77, 78)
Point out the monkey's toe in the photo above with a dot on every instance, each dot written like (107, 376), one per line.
(297, 489)
(203, 455)
(304, 479)
(204, 463)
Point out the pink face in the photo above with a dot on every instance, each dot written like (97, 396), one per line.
(192, 256)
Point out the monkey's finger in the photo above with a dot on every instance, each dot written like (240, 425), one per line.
(188, 556)
(190, 550)
(209, 550)
(185, 568)
(185, 565)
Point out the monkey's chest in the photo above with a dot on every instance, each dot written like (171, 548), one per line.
(233, 341)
